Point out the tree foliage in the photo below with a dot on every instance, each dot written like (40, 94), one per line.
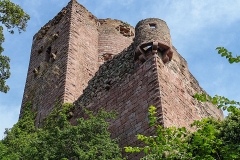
(11, 16)
(225, 53)
(58, 139)
(221, 102)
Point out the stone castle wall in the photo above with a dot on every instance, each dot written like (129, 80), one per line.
(119, 86)
(101, 63)
(177, 88)
(46, 76)
(83, 51)
(130, 87)
(67, 52)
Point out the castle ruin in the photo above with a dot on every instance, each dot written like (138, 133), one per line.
(104, 63)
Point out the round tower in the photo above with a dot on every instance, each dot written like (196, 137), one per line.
(152, 37)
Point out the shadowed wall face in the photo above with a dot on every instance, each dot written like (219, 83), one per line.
(46, 76)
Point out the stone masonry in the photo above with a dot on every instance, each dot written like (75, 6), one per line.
(105, 63)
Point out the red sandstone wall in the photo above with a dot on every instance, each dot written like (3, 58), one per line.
(46, 73)
(131, 98)
(169, 87)
(60, 74)
(77, 40)
(82, 60)
(177, 88)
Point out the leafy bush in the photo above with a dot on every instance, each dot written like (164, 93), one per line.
(58, 139)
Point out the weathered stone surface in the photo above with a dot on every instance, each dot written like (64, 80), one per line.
(46, 73)
(145, 33)
(114, 36)
(96, 63)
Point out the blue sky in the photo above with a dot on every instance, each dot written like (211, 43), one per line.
(197, 28)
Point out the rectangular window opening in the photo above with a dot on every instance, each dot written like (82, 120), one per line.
(152, 25)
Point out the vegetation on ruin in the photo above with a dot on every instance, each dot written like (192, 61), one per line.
(58, 139)
(11, 16)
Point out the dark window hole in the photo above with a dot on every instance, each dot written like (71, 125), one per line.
(48, 54)
(152, 25)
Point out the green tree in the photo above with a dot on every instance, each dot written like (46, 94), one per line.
(58, 139)
(11, 16)
(225, 53)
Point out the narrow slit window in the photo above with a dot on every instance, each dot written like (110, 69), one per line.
(48, 53)
(40, 50)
